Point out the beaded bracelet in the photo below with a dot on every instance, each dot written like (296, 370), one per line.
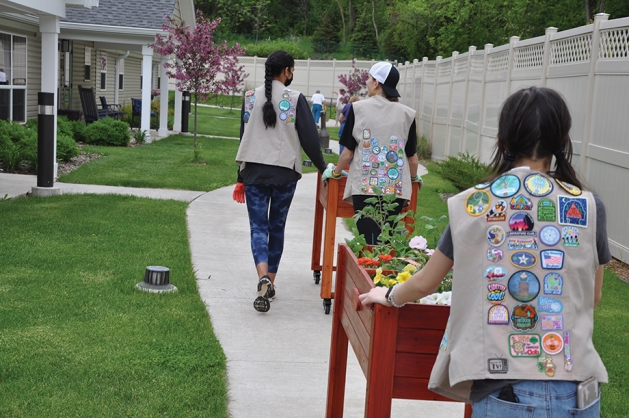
(390, 297)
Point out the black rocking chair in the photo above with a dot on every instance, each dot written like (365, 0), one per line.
(113, 109)
(91, 111)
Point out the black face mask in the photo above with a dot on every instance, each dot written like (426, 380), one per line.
(288, 81)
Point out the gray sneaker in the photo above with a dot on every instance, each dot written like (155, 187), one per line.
(262, 304)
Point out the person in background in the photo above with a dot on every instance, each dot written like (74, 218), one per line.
(342, 117)
(317, 104)
(275, 126)
(380, 140)
(519, 338)
(339, 108)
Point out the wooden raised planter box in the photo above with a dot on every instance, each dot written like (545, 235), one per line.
(413, 333)
(330, 202)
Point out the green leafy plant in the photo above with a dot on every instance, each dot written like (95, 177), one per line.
(464, 170)
(66, 147)
(139, 136)
(108, 131)
(11, 155)
(424, 148)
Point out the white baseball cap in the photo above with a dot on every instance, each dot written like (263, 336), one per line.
(388, 77)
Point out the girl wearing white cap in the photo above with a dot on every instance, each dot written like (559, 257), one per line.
(380, 140)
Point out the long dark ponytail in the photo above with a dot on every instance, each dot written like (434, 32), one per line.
(275, 64)
(535, 123)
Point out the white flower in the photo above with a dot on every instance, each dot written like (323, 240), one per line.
(418, 242)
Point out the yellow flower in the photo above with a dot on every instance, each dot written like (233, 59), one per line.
(391, 282)
(403, 276)
(410, 268)
(379, 277)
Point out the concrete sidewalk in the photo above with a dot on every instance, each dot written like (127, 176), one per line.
(277, 362)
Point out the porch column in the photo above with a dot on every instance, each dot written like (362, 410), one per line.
(147, 65)
(49, 29)
(163, 101)
(177, 121)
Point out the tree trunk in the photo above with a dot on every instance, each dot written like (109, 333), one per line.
(231, 107)
(352, 18)
(342, 20)
(373, 17)
(196, 151)
(588, 12)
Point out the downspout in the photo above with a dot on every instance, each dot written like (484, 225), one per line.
(116, 85)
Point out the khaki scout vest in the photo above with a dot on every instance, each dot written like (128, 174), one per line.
(277, 146)
(381, 132)
(523, 298)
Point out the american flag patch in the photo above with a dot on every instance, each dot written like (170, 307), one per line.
(552, 259)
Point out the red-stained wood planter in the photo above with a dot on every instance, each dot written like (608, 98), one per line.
(396, 348)
(330, 202)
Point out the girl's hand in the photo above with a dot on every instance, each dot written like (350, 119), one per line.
(375, 295)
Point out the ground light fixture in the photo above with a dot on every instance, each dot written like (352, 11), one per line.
(156, 280)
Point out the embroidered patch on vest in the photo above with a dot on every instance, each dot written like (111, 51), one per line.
(245, 117)
(495, 273)
(567, 353)
(545, 364)
(553, 284)
(498, 315)
(521, 202)
(552, 322)
(482, 186)
(495, 235)
(524, 259)
(506, 186)
(498, 212)
(550, 305)
(522, 244)
(552, 259)
(573, 211)
(495, 255)
(497, 365)
(366, 133)
(444, 340)
(284, 105)
(546, 211)
(549, 235)
(524, 317)
(570, 236)
(537, 185)
(573, 190)
(523, 286)
(477, 203)
(524, 345)
(521, 223)
(496, 292)
(552, 343)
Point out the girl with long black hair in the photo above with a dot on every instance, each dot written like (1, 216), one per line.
(276, 125)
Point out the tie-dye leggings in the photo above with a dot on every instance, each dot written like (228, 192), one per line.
(268, 207)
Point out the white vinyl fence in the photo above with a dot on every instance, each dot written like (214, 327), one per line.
(458, 100)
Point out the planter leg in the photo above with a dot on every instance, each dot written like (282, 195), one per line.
(338, 368)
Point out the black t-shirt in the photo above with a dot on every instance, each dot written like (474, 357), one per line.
(256, 173)
(348, 141)
(485, 387)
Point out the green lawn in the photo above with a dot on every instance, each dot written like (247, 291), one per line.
(77, 339)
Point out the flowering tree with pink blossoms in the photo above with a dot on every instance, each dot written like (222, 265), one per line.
(354, 82)
(196, 59)
(234, 76)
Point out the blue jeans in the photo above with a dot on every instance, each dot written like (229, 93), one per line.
(537, 399)
(316, 112)
(268, 207)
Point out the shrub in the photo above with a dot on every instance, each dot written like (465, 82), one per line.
(78, 130)
(108, 131)
(29, 150)
(66, 147)
(13, 131)
(11, 155)
(464, 170)
(424, 148)
(64, 127)
(264, 48)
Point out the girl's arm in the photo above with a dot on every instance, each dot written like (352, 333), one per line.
(598, 285)
(422, 283)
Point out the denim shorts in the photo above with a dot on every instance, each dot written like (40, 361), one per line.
(537, 399)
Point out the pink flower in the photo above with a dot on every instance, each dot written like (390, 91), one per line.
(429, 251)
(418, 242)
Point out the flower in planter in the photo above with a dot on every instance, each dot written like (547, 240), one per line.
(419, 243)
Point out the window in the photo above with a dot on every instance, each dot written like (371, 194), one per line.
(12, 77)
(121, 74)
(88, 64)
(103, 71)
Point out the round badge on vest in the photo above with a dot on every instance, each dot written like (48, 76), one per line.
(283, 116)
(477, 203)
(506, 186)
(284, 105)
(552, 343)
(524, 259)
(496, 236)
(549, 235)
(538, 185)
(523, 286)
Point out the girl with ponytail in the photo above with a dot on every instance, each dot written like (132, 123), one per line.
(547, 239)
(275, 126)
